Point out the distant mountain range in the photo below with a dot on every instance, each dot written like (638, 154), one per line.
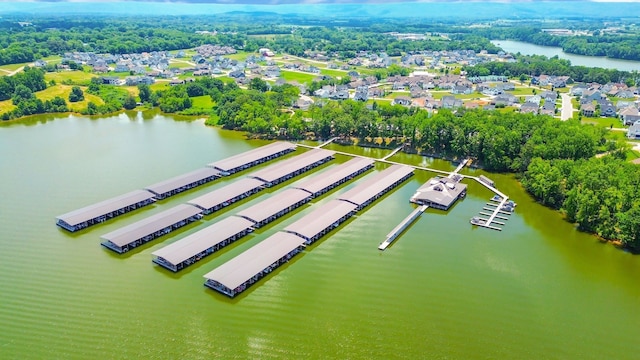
(431, 9)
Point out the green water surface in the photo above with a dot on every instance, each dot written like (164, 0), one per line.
(444, 290)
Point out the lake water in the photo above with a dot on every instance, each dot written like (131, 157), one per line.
(550, 51)
(444, 290)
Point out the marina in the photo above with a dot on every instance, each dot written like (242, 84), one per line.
(105, 210)
(292, 167)
(143, 231)
(252, 158)
(193, 248)
(237, 274)
(275, 206)
(227, 195)
(336, 176)
(180, 183)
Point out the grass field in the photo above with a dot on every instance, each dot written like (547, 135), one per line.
(603, 122)
(395, 94)
(240, 55)
(159, 85)
(63, 91)
(522, 91)
(180, 64)
(72, 77)
(299, 77)
(203, 102)
(6, 106)
(334, 73)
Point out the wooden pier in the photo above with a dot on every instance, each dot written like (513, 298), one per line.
(402, 226)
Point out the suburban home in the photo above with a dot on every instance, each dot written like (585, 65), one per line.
(362, 94)
(588, 110)
(634, 131)
(401, 100)
(461, 89)
(549, 108)
(450, 102)
(529, 108)
(631, 119)
(236, 74)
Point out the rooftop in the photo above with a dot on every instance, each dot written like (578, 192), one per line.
(274, 204)
(104, 207)
(241, 268)
(321, 218)
(334, 174)
(439, 191)
(202, 240)
(250, 156)
(144, 227)
(182, 180)
(373, 185)
(282, 168)
(219, 196)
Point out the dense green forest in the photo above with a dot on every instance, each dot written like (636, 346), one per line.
(535, 65)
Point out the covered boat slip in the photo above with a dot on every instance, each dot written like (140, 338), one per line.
(180, 183)
(336, 176)
(289, 168)
(275, 206)
(376, 186)
(138, 233)
(322, 220)
(439, 192)
(227, 195)
(196, 246)
(104, 210)
(252, 157)
(237, 274)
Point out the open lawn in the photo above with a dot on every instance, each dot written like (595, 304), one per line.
(297, 76)
(632, 155)
(395, 94)
(6, 106)
(521, 91)
(603, 121)
(159, 85)
(63, 91)
(334, 73)
(180, 64)
(203, 102)
(240, 55)
(69, 77)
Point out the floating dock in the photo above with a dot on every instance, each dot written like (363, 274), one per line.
(336, 176)
(105, 210)
(205, 242)
(402, 226)
(227, 195)
(143, 231)
(178, 184)
(245, 160)
(234, 276)
(108, 209)
(289, 168)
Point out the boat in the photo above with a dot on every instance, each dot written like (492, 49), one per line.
(477, 221)
(497, 198)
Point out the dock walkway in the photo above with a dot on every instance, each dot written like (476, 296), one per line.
(402, 226)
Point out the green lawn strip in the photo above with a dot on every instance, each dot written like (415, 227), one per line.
(606, 122)
(299, 77)
(69, 77)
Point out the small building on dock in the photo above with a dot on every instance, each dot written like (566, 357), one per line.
(104, 210)
(253, 157)
(439, 192)
(336, 176)
(376, 186)
(143, 231)
(178, 184)
(205, 242)
(322, 220)
(237, 274)
(292, 167)
(486, 180)
(227, 195)
(275, 206)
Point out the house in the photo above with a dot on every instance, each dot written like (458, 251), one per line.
(625, 94)
(529, 108)
(461, 89)
(535, 99)
(303, 104)
(450, 102)
(175, 82)
(549, 108)
(376, 92)
(578, 90)
(122, 67)
(634, 131)
(110, 80)
(401, 100)
(362, 94)
(40, 63)
(236, 74)
(323, 93)
(607, 109)
(340, 95)
(630, 119)
(588, 110)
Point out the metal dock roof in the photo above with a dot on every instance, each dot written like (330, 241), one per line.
(104, 207)
(440, 191)
(182, 180)
(335, 174)
(273, 205)
(144, 227)
(375, 184)
(321, 218)
(250, 156)
(219, 196)
(283, 168)
(241, 268)
(202, 240)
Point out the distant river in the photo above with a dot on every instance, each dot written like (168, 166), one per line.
(539, 289)
(549, 51)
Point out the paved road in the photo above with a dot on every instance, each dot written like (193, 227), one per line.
(567, 107)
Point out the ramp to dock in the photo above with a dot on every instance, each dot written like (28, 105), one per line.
(402, 226)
